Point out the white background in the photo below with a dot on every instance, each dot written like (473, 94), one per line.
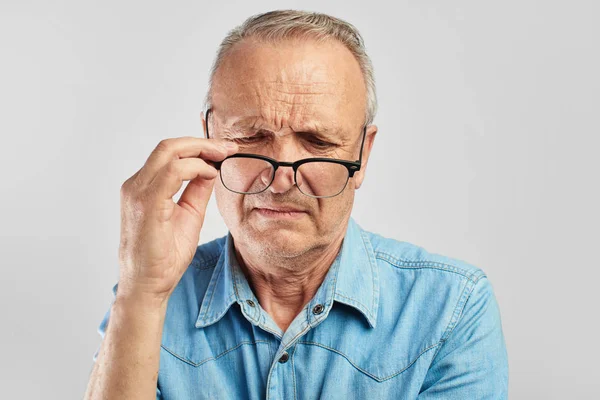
(487, 151)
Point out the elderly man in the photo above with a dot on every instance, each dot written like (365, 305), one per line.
(297, 301)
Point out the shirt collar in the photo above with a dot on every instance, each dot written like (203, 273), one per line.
(220, 293)
(353, 277)
(358, 277)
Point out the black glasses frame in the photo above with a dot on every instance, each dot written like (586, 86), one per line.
(352, 166)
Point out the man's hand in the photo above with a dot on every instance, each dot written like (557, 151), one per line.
(158, 240)
(158, 236)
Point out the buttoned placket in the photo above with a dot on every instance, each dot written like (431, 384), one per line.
(229, 285)
(281, 379)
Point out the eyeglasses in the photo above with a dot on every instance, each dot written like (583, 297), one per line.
(315, 177)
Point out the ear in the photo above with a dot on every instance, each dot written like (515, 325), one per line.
(369, 140)
(203, 121)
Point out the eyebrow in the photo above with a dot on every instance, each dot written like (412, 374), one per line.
(320, 131)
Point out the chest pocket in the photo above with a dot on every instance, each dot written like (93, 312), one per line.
(199, 346)
(380, 353)
(220, 361)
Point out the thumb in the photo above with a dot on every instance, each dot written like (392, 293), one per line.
(197, 194)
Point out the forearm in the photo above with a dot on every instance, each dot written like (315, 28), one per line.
(128, 360)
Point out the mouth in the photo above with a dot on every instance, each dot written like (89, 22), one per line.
(281, 213)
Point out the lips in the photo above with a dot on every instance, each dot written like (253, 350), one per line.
(281, 210)
(280, 213)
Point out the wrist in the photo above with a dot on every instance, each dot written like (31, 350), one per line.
(141, 302)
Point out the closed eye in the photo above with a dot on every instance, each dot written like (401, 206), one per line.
(249, 139)
(312, 140)
(320, 144)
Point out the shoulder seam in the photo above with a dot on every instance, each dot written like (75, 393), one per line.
(473, 276)
(458, 312)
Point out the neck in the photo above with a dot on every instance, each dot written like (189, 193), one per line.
(283, 286)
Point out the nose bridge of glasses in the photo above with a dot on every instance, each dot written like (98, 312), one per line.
(283, 178)
(285, 164)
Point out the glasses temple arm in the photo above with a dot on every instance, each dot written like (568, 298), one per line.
(362, 144)
(206, 120)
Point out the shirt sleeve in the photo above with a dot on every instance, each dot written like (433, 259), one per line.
(472, 362)
(104, 322)
(102, 332)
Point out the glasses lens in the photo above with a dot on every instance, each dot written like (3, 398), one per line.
(321, 179)
(246, 175)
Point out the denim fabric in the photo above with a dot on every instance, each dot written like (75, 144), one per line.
(390, 321)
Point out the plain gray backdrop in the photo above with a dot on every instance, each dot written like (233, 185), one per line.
(487, 151)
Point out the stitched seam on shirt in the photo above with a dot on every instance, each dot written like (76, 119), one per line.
(453, 320)
(294, 372)
(212, 293)
(333, 286)
(400, 263)
(237, 275)
(357, 302)
(328, 304)
(235, 278)
(378, 379)
(206, 264)
(372, 263)
(219, 316)
(303, 330)
(460, 307)
(215, 357)
(266, 328)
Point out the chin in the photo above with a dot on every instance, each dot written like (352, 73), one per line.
(280, 240)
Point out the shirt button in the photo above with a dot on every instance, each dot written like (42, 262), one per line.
(250, 303)
(284, 357)
(318, 309)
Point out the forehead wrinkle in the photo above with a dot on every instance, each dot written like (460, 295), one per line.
(297, 88)
(286, 82)
(291, 96)
(255, 123)
(300, 123)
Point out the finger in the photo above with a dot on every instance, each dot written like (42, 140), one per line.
(170, 178)
(183, 147)
(196, 195)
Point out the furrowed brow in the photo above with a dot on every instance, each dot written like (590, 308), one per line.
(245, 123)
(251, 125)
(322, 132)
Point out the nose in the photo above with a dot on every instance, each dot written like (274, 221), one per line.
(284, 176)
(283, 180)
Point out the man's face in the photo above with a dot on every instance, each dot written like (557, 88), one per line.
(288, 101)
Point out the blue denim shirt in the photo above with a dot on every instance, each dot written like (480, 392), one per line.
(389, 321)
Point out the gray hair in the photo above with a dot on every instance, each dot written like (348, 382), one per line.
(286, 24)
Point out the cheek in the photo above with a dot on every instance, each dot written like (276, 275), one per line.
(229, 204)
(332, 211)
